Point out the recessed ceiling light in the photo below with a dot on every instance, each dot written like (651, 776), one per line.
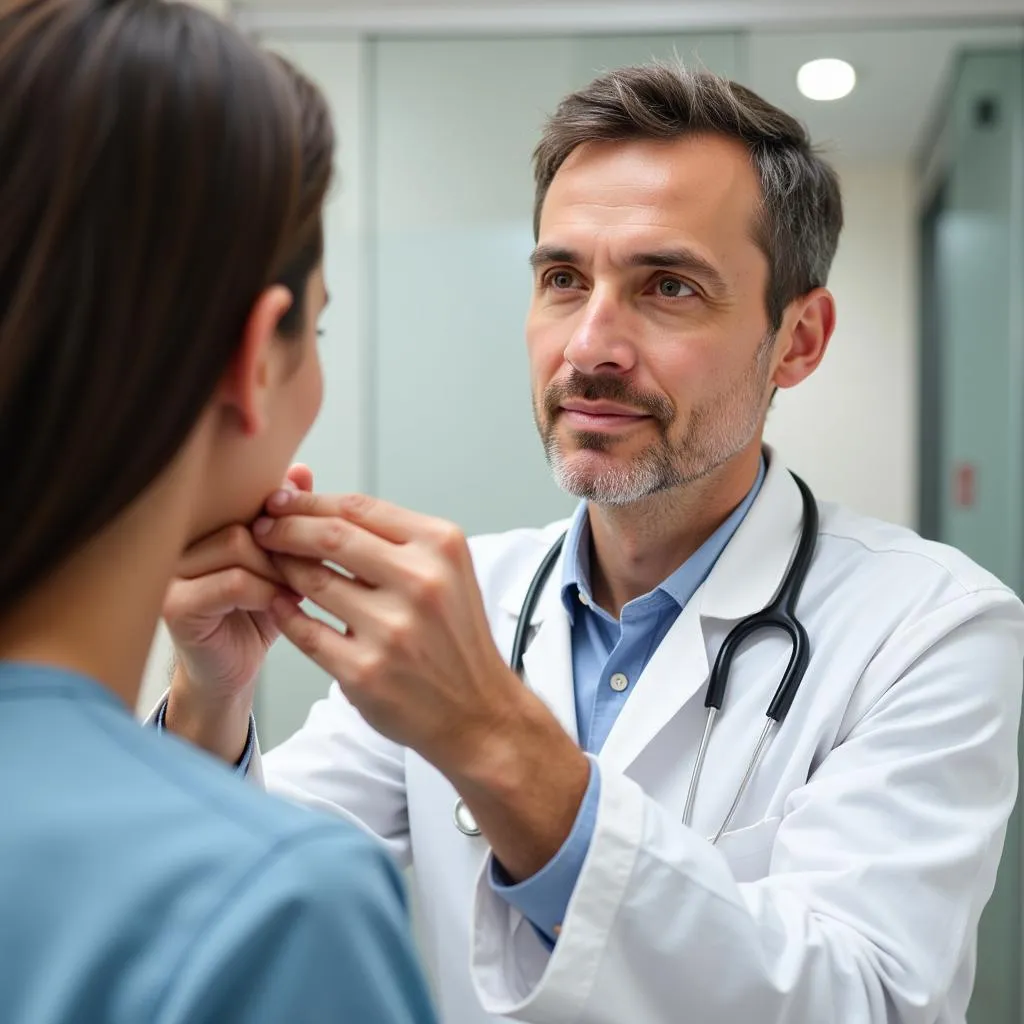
(826, 79)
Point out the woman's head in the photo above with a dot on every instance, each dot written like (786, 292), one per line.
(161, 193)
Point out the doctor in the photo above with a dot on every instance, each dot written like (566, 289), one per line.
(832, 868)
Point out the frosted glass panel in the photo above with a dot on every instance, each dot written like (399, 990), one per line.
(975, 233)
(979, 266)
(723, 53)
(455, 123)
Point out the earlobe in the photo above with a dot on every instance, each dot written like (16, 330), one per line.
(811, 323)
(247, 381)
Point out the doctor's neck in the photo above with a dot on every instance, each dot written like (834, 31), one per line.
(635, 547)
(96, 614)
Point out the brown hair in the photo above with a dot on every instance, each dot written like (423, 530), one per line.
(158, 173)
(801, 207)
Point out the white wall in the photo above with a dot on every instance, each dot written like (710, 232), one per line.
(851, 429)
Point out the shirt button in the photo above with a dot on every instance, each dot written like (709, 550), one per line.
(619, 682)
(583, 598)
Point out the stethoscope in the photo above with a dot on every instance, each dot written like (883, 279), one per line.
(779, 615)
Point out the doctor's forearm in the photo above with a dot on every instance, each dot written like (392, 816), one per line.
(525, 791)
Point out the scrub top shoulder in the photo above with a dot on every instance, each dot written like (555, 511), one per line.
(142, 881)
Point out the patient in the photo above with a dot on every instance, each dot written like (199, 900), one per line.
(161, 185)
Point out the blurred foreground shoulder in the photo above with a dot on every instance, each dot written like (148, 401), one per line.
(318, 930)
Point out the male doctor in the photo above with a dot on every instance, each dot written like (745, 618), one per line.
(685, 230)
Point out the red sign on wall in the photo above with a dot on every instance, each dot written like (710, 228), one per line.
(964, 485)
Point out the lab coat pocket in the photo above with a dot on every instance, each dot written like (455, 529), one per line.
(749, 850)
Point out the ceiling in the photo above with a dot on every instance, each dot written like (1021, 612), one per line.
(901, 78)
(903, 50)
(596, 15)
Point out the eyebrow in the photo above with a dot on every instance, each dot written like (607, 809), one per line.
(544, 255)
(662, 259)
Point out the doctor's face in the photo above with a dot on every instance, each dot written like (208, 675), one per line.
(649, 341)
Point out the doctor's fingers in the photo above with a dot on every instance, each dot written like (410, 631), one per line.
(321, 643)
(221, 593)
(359, 662)
(329, 539)
(391, 522)
(347, 599)
(232, 547)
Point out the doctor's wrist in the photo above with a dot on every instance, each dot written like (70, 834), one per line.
(525, 789)
(489, 753)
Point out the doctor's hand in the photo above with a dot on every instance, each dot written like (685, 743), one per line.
(418, 661)
(217, 611)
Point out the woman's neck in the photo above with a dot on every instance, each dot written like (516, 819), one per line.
(97, 614)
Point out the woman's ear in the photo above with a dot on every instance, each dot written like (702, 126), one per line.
(249, 376)
(808, 327)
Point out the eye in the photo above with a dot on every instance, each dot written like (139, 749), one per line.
(673, 288)
(561, 280)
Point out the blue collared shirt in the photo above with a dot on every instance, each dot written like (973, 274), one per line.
(608, 657)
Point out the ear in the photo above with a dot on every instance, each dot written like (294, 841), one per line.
(806, 331)
(249, 376)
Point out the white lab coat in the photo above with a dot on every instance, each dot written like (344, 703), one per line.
(850, 883)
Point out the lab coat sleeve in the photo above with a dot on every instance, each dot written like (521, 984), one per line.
(334, 763)
(158, 721)
(339, 764)
(316, 932)
(879, 869)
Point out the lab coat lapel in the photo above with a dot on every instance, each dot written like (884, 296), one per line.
(547, 662)
(744, 580)
(547, 668)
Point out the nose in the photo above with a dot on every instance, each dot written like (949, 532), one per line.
(600, 341)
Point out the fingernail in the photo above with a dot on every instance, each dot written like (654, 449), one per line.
(279, 499)
(262, 526)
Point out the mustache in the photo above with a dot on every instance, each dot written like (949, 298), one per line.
(609, 388)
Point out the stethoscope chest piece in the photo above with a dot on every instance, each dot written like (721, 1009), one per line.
(464, 820)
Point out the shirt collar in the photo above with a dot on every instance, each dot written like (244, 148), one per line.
(22, 678)
(681, 585)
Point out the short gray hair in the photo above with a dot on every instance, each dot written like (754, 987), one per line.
(801, 206)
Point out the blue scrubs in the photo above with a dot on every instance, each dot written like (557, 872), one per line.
(141, 882)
